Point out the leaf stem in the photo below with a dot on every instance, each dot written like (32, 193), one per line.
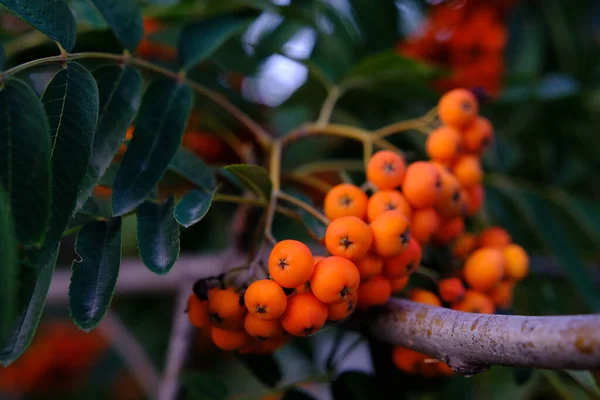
(304, 206)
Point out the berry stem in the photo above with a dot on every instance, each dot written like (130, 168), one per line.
(418, 125)
(332, 97)
(304, 206)
(367, 150)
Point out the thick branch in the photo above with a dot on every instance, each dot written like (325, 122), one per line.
(470, 343)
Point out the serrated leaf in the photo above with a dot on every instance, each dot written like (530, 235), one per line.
(254, 177)
(27, 321)
(8, 270)
(586, 380)
(198, 41)
(125, 19)
(191, 167)
(25, 149)
(157, 136)
(94, 275)
(204, 386)
(264, 368)
(120, 91)
(51, 17)
(193, 207)
(158, 235)
(71, 103)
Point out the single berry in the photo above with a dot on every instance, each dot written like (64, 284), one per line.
(458, 108)
(444, 145)
(484, 269)
(387, 200)
(334, 279)
(290, 263)
(422, 186)
(348, 237)
(475, 302)
(265, 299)
(391, 234)
(404, 263)
(304, 315)
(345, 200)
(375, 291)
(386, 170)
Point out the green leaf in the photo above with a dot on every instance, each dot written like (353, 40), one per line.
(71, 102)
(377, 22)
(586, 380)
(8, 272)
(51, 17)
(192, 168)
(2, 57)
(198, 41)
(120, 90)
(158, 235)
(157, 136)
(97, 206)
(125, 19)
(264, 367)
(85, 13)
(254, 177)
(204, 386)
(193, 207)
(94, 275)
(25, 149)
(26, 324)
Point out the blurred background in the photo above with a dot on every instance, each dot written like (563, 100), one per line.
(537, 61)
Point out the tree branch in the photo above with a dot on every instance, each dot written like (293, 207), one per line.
(470, 343)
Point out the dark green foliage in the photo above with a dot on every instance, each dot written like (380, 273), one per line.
(254, 177)
(191, 167)
(264, 367)
(193, 207)
(125, 19)
(203, 386)
(8, 261)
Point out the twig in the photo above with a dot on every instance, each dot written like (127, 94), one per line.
(304, 206)
(132, 353)
(332, 97)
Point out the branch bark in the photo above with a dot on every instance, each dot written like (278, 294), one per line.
(470, 343)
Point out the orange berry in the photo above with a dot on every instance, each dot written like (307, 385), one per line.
(444, 144)
(334, 279)
(228, 340)
(502, 294)
(398, 284)
(368, 266)
(468, 171)
(304, 315)
(345, 200)
(451, 204)
(224, 308)
(425, 297)
(449, 230)
(391, 233)
(407, 360)
(457, 108)
(478, 136)
(290, 263)
(474, 199)
(444, 369)
(494, 236)
(375, 291)
(348, 237)
(265, 299)
(386, 200)
(451, 290)
(424, 223)
(516, 262)
(304, 288)
(475, 302)
(422, 186)
(386, 170)
(197, 311)
(404, 263)
(340, 311)
(484, 269)
(262, 329)
(464, 245)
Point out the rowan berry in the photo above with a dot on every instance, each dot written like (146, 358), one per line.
(457, 108)
(478, 136)
(407, 360)
(422, 186)
(197, 311)
(345, 200)
(398, 284)
(502, 294)
(474, 199)
(475, 302)
(340, 311)
(424, 223)
(464, 245)
(262, 329)
(334, 279)
(224, 308)
(494, 236)
(449, 230)
(304, 315)
(444, 369)
(451, 203)
(404, 263)
(375, 291)
(484, 269)
(468, 171)
(290, 263)
(386, 170)
(304, 288)
(386, 200)
(368, 266)
(229, 339)
(265, 299)
(444, 145)
(425, 297)
(451, 290)
(391, 233)
(516, 262)
(348, 237)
